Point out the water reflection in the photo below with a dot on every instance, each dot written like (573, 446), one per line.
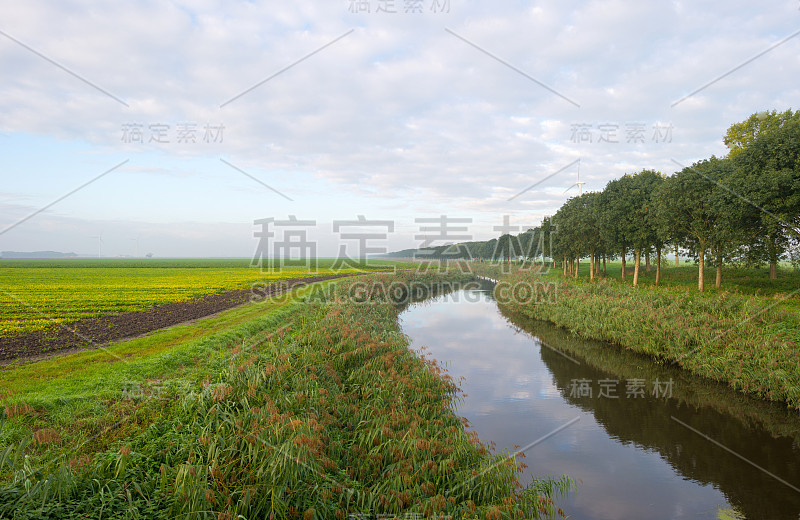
(631, 455)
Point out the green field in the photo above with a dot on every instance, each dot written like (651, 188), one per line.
(293, 408)
(39, 294)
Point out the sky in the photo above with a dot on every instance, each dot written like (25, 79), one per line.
(169, 127)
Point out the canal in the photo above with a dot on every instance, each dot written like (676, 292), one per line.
(641, 440)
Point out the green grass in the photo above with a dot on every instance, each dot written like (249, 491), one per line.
(81, 394)
(40, 294)
(743, 280)
(687, 391)
(315, 408)
(750, 343)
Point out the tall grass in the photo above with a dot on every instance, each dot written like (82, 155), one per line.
(328, 414)
(750, 343)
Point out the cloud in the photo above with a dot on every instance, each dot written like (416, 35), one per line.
(399, 109)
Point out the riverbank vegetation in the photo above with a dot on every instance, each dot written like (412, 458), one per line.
(314, 409)
(749, 343)
(624, 364)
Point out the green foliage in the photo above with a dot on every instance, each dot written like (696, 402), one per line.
(617, 219)
(742, 209)
(767, 176)
(578, 231)
(696, 208)
(741, 135)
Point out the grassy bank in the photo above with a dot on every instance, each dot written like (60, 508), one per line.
(316, 409)
(688, 391)
(748, 342)
(72, 406)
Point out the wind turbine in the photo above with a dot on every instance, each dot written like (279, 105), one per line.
(137, 244)
(99, 243)
(578, 183)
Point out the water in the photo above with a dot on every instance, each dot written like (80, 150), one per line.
(697, 450)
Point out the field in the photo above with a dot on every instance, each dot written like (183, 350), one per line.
(36, 295)
(273, 410)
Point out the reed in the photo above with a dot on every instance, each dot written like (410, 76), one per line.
(752, 344)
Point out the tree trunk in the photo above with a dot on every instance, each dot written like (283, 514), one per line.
(591, 266)
(677, 258)
(658, 266)
(623, 264)
(577, 265)
(637, 263)
(773, 259)
(718, 282)
(701, 256)
(565, 267)
(647, 261)
(604, 265)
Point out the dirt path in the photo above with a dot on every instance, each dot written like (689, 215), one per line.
(93, 332)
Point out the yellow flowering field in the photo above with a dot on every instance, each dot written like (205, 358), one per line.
(36, 296)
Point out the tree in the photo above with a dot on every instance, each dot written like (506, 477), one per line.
(548, 232)
(643, 231)
(740, 135)
(767, 180)
(508, 248)
(616, 219)
(568, 240)
(562, 243)
(656, 233)
(589, 210)
(694, 206)
(623, 216)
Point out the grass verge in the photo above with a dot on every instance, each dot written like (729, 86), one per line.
(747, 342)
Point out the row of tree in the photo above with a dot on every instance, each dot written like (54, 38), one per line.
(742, 208)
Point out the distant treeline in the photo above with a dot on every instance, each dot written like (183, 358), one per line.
(36, 254)
(527, 245)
